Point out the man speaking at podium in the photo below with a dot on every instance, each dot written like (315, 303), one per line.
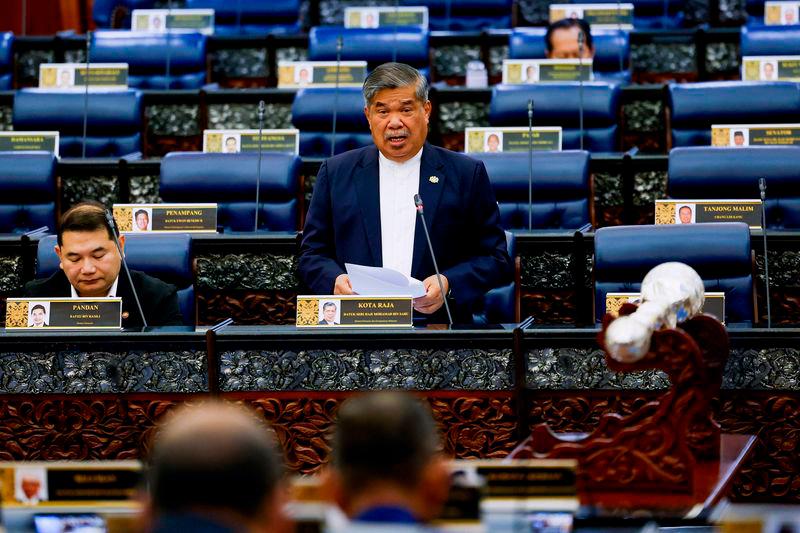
(363, 211)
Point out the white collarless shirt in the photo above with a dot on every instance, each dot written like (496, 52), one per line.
(112, 292)
(399, 182)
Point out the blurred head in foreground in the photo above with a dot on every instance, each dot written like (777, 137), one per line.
(216, 464)
(386, 457)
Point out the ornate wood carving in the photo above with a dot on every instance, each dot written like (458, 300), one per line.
(549, 307)
(251, 307)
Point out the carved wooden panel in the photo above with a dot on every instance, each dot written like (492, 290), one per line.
(549, 307)
(266, 307)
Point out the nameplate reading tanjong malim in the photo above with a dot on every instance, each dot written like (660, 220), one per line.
(524, 478)
(72, 76)
(511, 139)
(173, 21)
(714, 303)
(599, 16)
(691, 211)
(19, 141)
(738, 135)
(64, 313)
(166, 218)
(293, 74)
(354, 311)
(379, 17)
(781, 13)
(770, 68)
(235, 141)
(524, 71)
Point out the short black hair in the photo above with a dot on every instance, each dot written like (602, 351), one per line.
(738, 134)
(85, 216)
(328, 304)
(565, 24)
(684, 207)
(38, 306)
(141, 212)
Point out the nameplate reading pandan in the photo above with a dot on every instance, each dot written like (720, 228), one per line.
(714, 303)
(511, 139)
(781, 13)
(21, 141)
(294, 74)
(236, 141)
(173, 20)
(166, 218)
(522, 478)
(524, 71)
(354, 311)
(691, 211)
(63, 313)
(73, 76)
(738, 135)
(379, 17)
(770, 68)
(599, 16)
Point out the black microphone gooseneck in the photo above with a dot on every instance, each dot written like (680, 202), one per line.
(419, 206)
(581, 38)
(530, 164)
(115, 232)
(262, 109)
(762, 188)
(339, 44)
(86, 95)
(167, 83)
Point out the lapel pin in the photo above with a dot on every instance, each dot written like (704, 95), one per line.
(433, 179)
(125, 314)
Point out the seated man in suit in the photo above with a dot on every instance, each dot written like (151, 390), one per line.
(363, 211)
(386, 463)
(562, 39)
(90, 268)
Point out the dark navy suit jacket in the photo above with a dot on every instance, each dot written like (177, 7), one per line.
(343, 224)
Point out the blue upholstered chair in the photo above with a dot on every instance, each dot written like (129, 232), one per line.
(719, 252)
(167, 257)
(27, 191)
(6, 61)
(230, 181)
(114, 126)
(465, 15)
(694, 107)
(557, 104)
(732, 173)
(562, 192)
(147, 55)
(770, 41)
(501, 305)
(609, 45)
(252, 17)
(373, 45)
(104, 11)
(312, 114)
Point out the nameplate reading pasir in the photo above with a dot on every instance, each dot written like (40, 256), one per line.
(64, 313)
(166, 218)
(354, 311)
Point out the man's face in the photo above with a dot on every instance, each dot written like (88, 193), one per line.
(769, 71)
(398, 122)
(37, 316)
(738, 140)
(565, 44)
(789, 17)
(329, 313)
(64, 78)
(142, 220)
(304, 74)
(90, 261)
(685, 215)
(493, 143)
(230, 145)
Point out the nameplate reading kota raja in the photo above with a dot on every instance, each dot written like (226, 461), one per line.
(25, 141)
(64, 313)
(741, 135)
(354, 311)
(714, 303)
(166, 218)
(691, 211)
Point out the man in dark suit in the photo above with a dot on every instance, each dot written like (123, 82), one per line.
(363, 212)
(328, 314)
(90, 268)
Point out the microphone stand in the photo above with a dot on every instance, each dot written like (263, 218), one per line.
(762, 187)
(115, 232)
(581, 38)
(530, 164)
(336, 94)
(86, 96)
(261, 111)
(419, 206)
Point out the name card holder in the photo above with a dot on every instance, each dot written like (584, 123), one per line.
(598, 16)
(64, 313)
(17, 141)
(526, 71)
(354, 311)
(691, 211)
(512, 139)
(741, 135)
(294, 74)
(166, 218)
(714, 303)
(72, 77)
(380, 17)
(237, 141)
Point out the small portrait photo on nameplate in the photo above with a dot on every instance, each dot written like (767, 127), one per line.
(739, 135)
(30, 485)
(598, 16)
(379, 17)
(691, 211)
(295, 74)
(59, 77)
(771, 68)
(526, 71)
(511, 139)
(63, 313)
(781, 13)
(235, 141)
(354, 311)
(714, 303)
(166, 218)
(173, 21)
(25, 141)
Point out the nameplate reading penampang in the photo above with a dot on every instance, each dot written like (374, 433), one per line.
(511, 139)
(173, 21)
(296, 74)
(354, 311)
(63, 313)
(714, 303)
(526, 71)
(598, 16)
(166, 218)
(71, 77)
(740, 135)
(25, 141)
(239, 141)
(380, 17)
(691, 211)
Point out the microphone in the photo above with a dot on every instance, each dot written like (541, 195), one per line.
(86, 96)
(581, 38)
(419, 206)
(762, 188)
(339, 44)
(167, 83)
(115, 232)
(262, 109)
(530, 164)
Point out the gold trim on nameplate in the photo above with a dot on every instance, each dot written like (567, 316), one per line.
(665, 213)
(17, 315)
(123, 216)
(354, 311)
(307, 312)
(720, 136)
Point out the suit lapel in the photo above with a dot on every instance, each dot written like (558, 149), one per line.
(367, 184)
(431, 185)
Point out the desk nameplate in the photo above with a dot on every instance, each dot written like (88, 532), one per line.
(166, 218)
(526, 71)
(294, 74)
(740, 135)
(73, 76)
(714, 303)
(237, 141)
(354, 311)
(511, 139)
(691, 211)
(18, 141)
(64, 313)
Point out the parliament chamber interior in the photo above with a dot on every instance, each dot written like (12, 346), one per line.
(582, 382)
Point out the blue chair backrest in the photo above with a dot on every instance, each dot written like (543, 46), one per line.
(234, 17)
(609, 45)
(733, 173)
(719, 252)
(103, 11)
(465, 15)
(167, 257)
(147, 55)
(694, 107)
(6, 61)
(312, 114)
(561, 188)
(770, 41)
(114, 125)
(373, 45)
(557, 104)
(27, 191)
(230, 181)
(500, 304)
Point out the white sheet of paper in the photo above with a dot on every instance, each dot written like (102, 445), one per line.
(378, 281)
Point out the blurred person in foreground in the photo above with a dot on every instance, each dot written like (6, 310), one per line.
(215, 468)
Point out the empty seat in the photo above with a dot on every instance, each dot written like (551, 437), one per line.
(252, 17)
(312, 114)
(6, 61)
(27, 191)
